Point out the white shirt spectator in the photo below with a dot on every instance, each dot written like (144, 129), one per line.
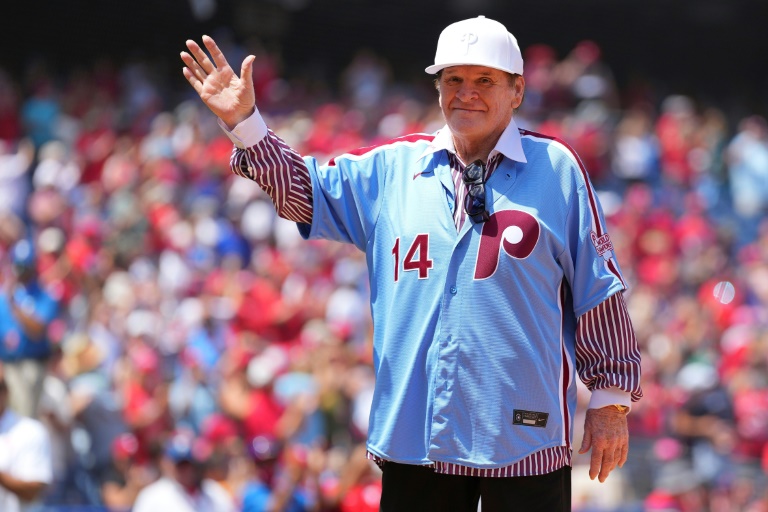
(167, 495)
(25, 454)
(14, 188)
(55, 413)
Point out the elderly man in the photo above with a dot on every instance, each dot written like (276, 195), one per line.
(493, 281)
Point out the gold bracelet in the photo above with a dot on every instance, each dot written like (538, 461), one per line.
(622, 408)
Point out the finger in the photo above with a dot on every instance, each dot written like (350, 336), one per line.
(246, 72)
(200, 56)
(595, 462)
(194, 66)
(624, 453)
(586, 442)
(193, 80)
(218, 58)
(607, 464)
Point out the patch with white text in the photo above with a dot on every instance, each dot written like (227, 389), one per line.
(602, 244)
(530, 418)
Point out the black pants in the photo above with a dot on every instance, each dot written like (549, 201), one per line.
(409, 488)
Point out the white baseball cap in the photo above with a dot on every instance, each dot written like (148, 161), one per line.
(477, 42)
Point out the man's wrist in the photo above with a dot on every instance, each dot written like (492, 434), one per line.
(609, 397)
(232, 122)
(248, 132)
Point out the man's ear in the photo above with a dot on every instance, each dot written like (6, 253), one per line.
(519, 88)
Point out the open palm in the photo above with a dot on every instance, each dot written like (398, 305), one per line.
(228, 96)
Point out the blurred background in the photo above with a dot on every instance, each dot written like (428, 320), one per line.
(178, 307)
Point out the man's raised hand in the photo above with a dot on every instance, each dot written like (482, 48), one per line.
(231, 98)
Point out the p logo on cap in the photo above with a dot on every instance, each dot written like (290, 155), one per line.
(477, 42)
(468, 39)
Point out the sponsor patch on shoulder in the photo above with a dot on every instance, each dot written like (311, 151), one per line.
(530, 418)
(602, 244)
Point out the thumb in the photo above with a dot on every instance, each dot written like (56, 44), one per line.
(246, 72)
(586, 442)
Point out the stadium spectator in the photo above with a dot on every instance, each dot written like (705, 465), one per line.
(25, 456)
(55, 413)
(747, 154)
(183, 486)
(26, 312)
(122, 482)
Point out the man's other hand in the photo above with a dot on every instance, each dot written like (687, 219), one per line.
(606, 433)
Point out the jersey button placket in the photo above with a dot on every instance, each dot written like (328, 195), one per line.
(453, 290)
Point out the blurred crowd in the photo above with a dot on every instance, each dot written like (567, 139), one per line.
(197, 339)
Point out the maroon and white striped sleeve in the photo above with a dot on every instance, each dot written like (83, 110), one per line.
(607, 354)
(281, 172)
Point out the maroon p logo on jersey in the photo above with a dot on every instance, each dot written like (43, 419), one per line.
(514, 231)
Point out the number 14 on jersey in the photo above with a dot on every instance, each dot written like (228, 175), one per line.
(417, 257)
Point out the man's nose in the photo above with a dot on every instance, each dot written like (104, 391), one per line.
(466, 93)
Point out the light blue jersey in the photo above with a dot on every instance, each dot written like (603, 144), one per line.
(474, 330)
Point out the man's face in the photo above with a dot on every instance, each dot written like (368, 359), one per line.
(478, 101)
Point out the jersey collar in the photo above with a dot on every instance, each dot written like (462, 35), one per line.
(509, 143)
